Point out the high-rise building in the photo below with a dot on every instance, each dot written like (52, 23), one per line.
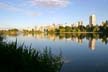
(92, 20)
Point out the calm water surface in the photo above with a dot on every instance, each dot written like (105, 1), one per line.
(81, 53)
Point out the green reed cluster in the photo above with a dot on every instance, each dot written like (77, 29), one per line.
(14, 58)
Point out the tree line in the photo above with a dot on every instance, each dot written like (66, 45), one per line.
(81, 28)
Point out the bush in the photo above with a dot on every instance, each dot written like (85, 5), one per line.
(15, 58)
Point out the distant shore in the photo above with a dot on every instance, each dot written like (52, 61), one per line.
(78, 32)
(11, 32)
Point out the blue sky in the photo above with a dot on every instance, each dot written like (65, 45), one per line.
(30, 13)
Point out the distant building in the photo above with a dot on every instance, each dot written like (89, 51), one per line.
(40, 28)
(80, 23)
(92, 20)
(51, 27)
(28, 28)
(76, 24)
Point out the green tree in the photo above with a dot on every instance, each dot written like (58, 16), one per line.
(62, 29)
(96, 28)
(68, 29)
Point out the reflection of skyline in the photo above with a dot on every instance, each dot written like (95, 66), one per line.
(92, 43)
(42, 36)
(75, 37)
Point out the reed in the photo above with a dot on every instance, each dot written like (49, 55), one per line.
(14, 58)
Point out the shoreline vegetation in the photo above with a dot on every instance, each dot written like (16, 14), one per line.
(14, 58)
(63, 29)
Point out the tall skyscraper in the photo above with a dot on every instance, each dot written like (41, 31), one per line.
(92, 20)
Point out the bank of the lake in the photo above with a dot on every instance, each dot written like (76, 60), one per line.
(20, 58)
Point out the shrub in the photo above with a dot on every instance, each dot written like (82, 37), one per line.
(14, 58)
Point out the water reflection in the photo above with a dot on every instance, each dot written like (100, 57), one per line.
(78, 37)
(92, 43)
(81, 51)
(75, 37)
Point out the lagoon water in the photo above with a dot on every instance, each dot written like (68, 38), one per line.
(81, 52)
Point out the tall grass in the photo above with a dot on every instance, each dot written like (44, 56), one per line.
(14, 58)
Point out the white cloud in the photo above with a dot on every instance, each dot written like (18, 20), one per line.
(50, 3)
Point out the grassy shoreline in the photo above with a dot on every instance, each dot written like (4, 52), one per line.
(15, 58)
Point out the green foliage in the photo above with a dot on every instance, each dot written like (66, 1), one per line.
(102, 36)
(96, 29)
(15, 30)
(57, 30)
(68, 29)
(1, 38)
(14, 58)
(104, 28)
(81, 28)
(61, 27)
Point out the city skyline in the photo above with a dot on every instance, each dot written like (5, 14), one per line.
(30, 13)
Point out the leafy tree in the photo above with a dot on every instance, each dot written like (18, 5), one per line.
(96, 29)
(68, 29)
(15, 30)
